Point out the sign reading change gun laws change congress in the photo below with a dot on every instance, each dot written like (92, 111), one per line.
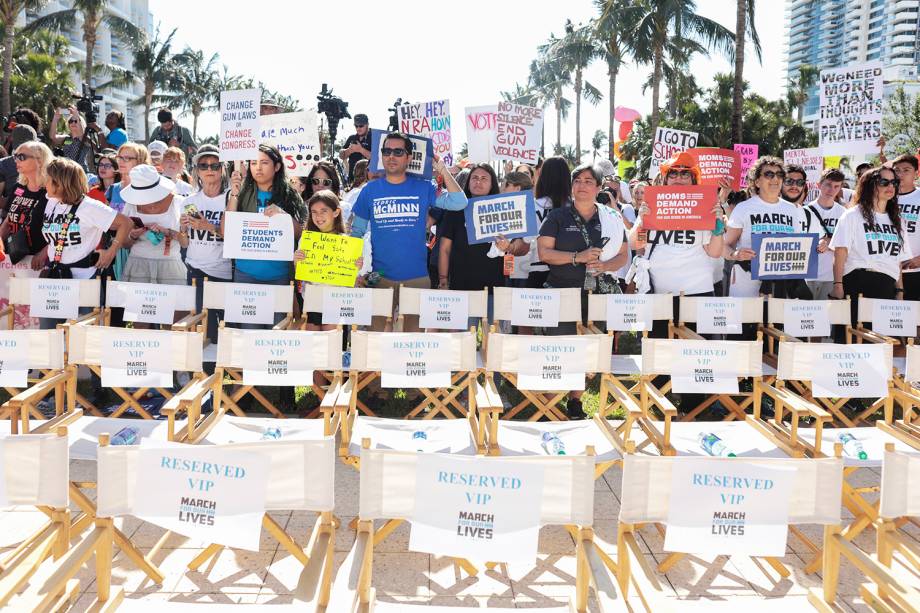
(254, 236)
(57, 298)
(784, 256)
(415, 360)
(136, 358)
(239, 124)
(483, 509)
(511, 215)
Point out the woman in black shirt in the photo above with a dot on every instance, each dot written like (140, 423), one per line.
(27, 205)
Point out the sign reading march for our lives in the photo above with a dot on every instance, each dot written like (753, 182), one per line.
(249, 303)
(330, 259)
(511, 215)
(551, 362)
(149, 303)
(728, 506)
(422, 160)
(705, 366)
(680, 207)
(669, 142)
(213, 493)
(851, 371)
(477, 508)
(715, 164)
(810, 159)
(894, 317)
(806, 318)
(136, 358)
(432, 120)
(277, 357)
(535, 307)
(296, 137)
(630, 312)
(784, 256)
(347, 306)
(748, 155)
(415, 360)
(443, 309)
(480, 124)
(254, 236)
(239, 124)
(850, 111)
(57, 298)
(518, 133)
(14, 351)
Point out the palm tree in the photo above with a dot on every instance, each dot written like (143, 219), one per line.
(155, 68)
(597, 143)
(9, 12)
(744, 28)
(797, 93)
(520, 95)
(614, 29)
(547, 80)
(193, 84)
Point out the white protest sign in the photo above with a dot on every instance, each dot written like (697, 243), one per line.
(255, 236)
(480, 125)
(810, 159)
(249, 303)
(805, 318)
(239, 124)
(535, 307)
(718, 316)
(149, 303)
(517, 134)
(630, 312)
(347, 306)
(728, 506)
(57, 298)
(894, 317)
(444, 309)
(136, 358)
(850, 111)
(432, 120)
(415, 360)
(296, 137)
(669, 142)
(477, 508)
(14, 351)
(212, 493)
(277, 357)
(705, 366)
(850, 371)
(551, 362)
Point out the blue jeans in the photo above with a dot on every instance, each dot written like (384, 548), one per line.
(242, 277)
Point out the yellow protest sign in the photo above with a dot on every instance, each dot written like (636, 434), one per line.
(330, 259)
(832, 161)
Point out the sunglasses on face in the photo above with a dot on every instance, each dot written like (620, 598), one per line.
(772, 174)
(205, 166)
(887, 182)
(683, 174)
(791, 182)
(22, 157)
(72, 121)
(396, 152)
(323, 182)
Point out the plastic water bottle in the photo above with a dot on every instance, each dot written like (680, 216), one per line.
(346, 360)
(851, 446)
(125, 436)
(271, 433)
(552, 445)
(713, 445)
(419, 435)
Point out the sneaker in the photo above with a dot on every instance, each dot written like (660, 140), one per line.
(574, 409)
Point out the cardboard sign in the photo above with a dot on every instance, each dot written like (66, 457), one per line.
(705, 366)
(415, 360)
(56, 298)
(330, 259)
(518, 133)
(347, 307)
(810, 159)
(535, 307)
(444, 309)
(850, 111)
(249, 303)
(806, 318)
(212, 493)
(718, 316)
(748, 155)
(680, 207)
(551, 363)
(784, 256)
(850, 371)
(149, 303)
(422, 155)
(511, 215)
(14, 353)
(480, 125)
(669, 142)
(894, 317)
(277, 357)
(432, 120)
(296, 137)
(136, 358)
(477, 508)
(728, 506)
(630, 312)
(718, 163)
(239, 124)
(255, 236)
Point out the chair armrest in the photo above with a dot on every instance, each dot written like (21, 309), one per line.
(872, 337)
(40, 389)
(187, 322)
(686, 333)
(193, 391)
(660, 400)
(285, 323)
(798, 406)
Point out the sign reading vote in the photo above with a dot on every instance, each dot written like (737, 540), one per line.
(784, 256)
(630, 312)
(728, 506)
(57, 298)
(255, 236)
(149, 303)
(444, 309)
(551, 362)
(511, 215)
(212, 493)
(330, 259)
(415, 360)
(850, 371)
(277, 357)
(477, 508)
(705, 366)
(680, 207)
(718, 316)
(14, 351)
(480, 124)
(806, 318)
(422, 154)
(894, 317)
(535, 307)
(347, 306)
(136, 358)
(249, 303)
(239, 124)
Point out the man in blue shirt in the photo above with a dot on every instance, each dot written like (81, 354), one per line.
(395, 208)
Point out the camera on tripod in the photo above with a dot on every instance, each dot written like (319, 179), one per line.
(334, 108)
(86, 103)
(394, 114)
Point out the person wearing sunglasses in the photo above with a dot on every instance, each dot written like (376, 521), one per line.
(905, 169)
(821, 217)
(21, 230)
(73, 144)
(795, 185)
(357, 146)
(323, 177)
(108, 175)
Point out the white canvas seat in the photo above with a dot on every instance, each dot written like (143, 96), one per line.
(83, 433)
(89, 292)
(44, 350)
(569, 306)
(516, 438)
(452, 436)
(233, 429)
(116, 296)
(865, 314)
(837, 312)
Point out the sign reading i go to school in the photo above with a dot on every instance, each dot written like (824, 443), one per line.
(415, 360)
(14, 351)
(254, 236)
(551, 362)
(136, 358)
(511, 215)
(57, 298)
(249, 303)
(477, 508)
(784, 256)
(330, 259)
(421, 156)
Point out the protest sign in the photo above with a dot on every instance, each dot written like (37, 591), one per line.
(476, 508)
(277, 357)
(718, 316)
(705, 366)
(136, 358)
(729, 507)
(810, 159)
(296, 137)
(249, 303)
(551, 363)
(212, 493)
(239, 124)
(14, 351)
(806, 318)
(715, 164)
(422, 155)
(443, 309)
(255, 236)
(784, 256)
(329, 258)
(669, 142)
(850, 371)
(511, 215)
(347, 306)
(748, 155)
(431, 120)
(518, 133)
(680, 207)
(57, 298)
(480, 125)
(629, 312)
(850, 111)
(894, 317)
(149, 303)
(415, 360)
(535, 307)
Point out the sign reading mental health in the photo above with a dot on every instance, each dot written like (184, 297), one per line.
(810, 159)
(894, 317)
(422, 155)
(330, 259)
(212, 493)
(347, 306)
(14, 351)
(136, 358)
(511, 215)
(630, 312)
(715, 164)
(535, 307)
(748, 155)
(415, 360)
(728, 506)
(149, 303)
(432, 120)
(443, 309)
(850, 371)
(850, 111)
(551, 362)
(480, 125)
(518, 133)
(806, 318)
(705, 366)
(57, 298)
(784, 256)
(254, 236)
(249, 303)
(718, 316)
(477, 508)
(669, 142)
(680, 207)
(277, 357)
(239, 124)
(296, 137)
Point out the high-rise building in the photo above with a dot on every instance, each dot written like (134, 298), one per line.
(831, 33)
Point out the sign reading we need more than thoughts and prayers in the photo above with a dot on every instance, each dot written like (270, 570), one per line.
(850, 111)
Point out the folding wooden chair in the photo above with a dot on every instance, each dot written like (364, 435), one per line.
(906, 394)
(44, 350)
(379, 298)
(866, 311)
(749, 310)
(116, 296)
(88, 292)
(410, 303)
(809, 312)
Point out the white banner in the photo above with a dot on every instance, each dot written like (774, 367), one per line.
(669, 142)
(894, 317)
(850, 112)
(348, 306)
(705, 366)
(278, 357)
(415, 360)
(810, 159)
(296, 137)
(444, 309)
(851, 371)
(518, 133)
(239, 124)
(136, 358)
(249, 303)
(804, 318)
(535, 307)
(56, 298)
(431, 120)
(551, 362)
(630, 312)
(149, 303)
(718, 316)
(480, 125)
(254, 236)
(14, 353)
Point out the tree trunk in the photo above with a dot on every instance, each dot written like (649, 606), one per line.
(656, 89)
(5, 105)
(89, 37)
(148, 104)
(196, 111)
(800, 112)
(558, 121)
(578, 88)
(612, 70)
(737, 93)
(672, 93)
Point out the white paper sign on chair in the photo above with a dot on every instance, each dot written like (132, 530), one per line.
(415, 360)
(548, 363)
(249, 303)
(136, 358)
(277, 357)
(850, 371)
(894, 317)
(705, 366)
(149, 303)
(535, 307)
(347, 306)
(444, 309)
(481, 509)
(629, 312)
(14, 370)
(57, 298)
(718, 316)
(803, 319)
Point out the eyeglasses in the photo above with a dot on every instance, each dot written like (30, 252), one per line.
(887, 182)
(73, 121)
(790, 182)
(683, 174)
(125, 158)
(772, 174)
(22, 157)
(205, 166)
(101, 166)
(360, 125)
(323, 182)
(396, 152)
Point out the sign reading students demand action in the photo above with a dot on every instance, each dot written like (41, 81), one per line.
(680, 207)
(850, 115)
(511, 215)
(784, 256)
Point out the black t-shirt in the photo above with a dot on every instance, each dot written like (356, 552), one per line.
(26, 209)
(356, 157)
(9, 176)
(469, 268)
(561, 225)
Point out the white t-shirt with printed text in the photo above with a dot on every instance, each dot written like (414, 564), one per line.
(92, 220)
(205, 249)
(679, 262)
(755, 216)
(143, 248)
(877, 247)
(910, 219)
(812, 225)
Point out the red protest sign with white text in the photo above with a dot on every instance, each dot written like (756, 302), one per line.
(680, 207)
(717, 163)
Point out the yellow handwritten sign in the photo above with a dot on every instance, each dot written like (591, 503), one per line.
(330, 259)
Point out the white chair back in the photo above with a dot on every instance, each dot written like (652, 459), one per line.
(900, 495)
(36, 469)
(367, 350)
(569, 303)
(659, 355)
(21, 290)
(116, 294)
(215, 294)
(326, 347)
(86, 345)
(381, 298)
(410, 299)
(662, 306)
(865, 311)
(912, 368)
(751, 308)
(799, 361)
(838, 311)
(44, 349)
(503, 350)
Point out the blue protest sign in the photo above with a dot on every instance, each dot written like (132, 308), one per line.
(422, 154)
(784, 256)
(511, 215)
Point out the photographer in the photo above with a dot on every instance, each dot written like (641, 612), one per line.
(75, 145)
(357, 146)
(170, 132)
